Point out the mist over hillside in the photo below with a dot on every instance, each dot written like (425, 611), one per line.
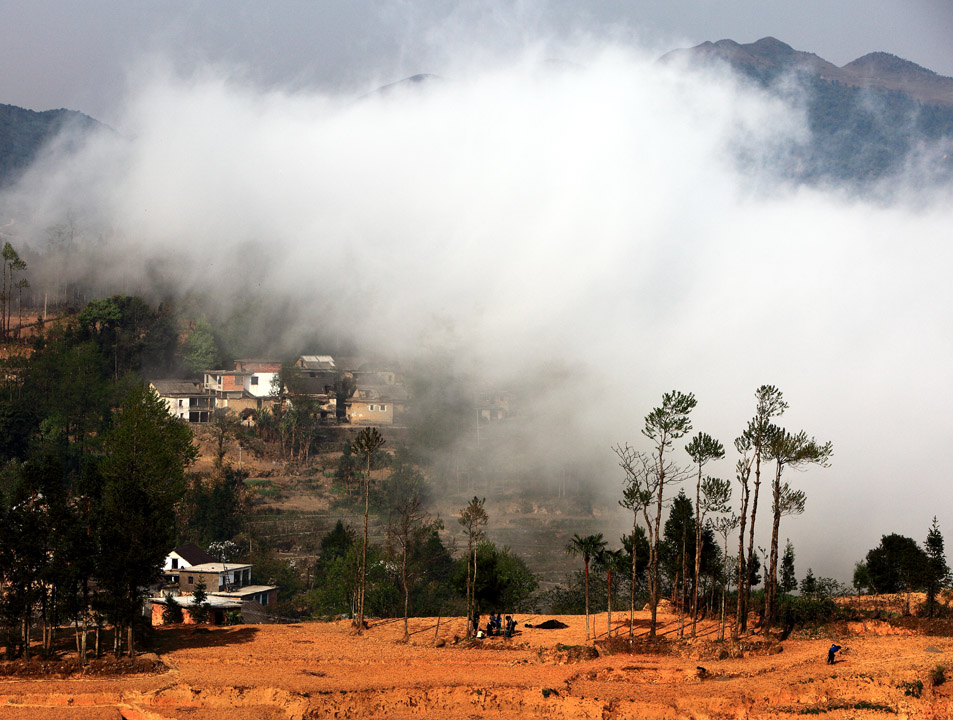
(869, 122)
(592, 232)
(25, 133)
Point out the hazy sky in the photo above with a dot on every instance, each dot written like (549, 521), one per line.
(580, 228)
(81, 55)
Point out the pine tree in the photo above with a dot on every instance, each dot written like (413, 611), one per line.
(200, 609)
(368, 442)
(937, 571)
(147, 451)
(473, 517)
(172, 612)
(788, 581)
(665, 424)
(702, 449)
(809, 584)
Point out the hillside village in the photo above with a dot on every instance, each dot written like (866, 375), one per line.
(342, 392)
(408, 426)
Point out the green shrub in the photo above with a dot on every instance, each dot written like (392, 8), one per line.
(808, 612)
(172, 612)
(911, 688)
(938, 675)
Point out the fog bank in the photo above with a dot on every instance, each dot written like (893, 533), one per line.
(579, 228)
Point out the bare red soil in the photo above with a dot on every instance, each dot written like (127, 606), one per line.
(318, 670)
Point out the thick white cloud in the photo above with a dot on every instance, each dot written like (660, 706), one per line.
(585, 216)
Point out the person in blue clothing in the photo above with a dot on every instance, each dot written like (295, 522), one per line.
(830, 653)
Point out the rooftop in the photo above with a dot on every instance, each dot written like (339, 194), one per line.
(193, 554)
(217, 567)
(177, 387)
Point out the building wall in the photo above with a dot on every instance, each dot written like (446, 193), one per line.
(188, 580)
(215, 617)
(257, 366)
(178, 407)
(371, 413)
(263, 386)
(237, 405)
(224, 382)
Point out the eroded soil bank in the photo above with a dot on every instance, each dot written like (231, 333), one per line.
(324, 670)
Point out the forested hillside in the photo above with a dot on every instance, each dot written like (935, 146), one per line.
(23, 134)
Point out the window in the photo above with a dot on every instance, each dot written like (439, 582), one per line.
(254, 379)
(191, 580)
(383, 408)
(175, 563)
(371, 408)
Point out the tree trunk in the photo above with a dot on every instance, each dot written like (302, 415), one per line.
(367, 500)
(475, 609)
(469, 585)
(684, 588)
(83, 640)
(771, 582)
(587, 598)
(26, 634)
(742, 607)
(724, 594)
(754, 513)
(403, 579)
(698, 553)
(609, 604)
(654, 556)
(634, 580)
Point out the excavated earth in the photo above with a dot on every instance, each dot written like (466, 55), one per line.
(325, 670)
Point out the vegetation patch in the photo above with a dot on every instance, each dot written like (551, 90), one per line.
(911, 688)
(834, 705)
(561, 654)
(144, 664)
(938, 675)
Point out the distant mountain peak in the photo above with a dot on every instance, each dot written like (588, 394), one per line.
(882, 63)
(772, 46)
(768, 58)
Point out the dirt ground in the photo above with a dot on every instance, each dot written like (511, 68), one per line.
(319, 670)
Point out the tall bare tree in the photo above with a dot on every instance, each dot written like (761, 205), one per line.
(702, 449)
(610, 561)
(714, 497)
(473, 517)
(769, 404)
(407, 525)
(588, 547)
(12, 264)
(636, 497)
(642, 482)
(723, 526)
(668, 422)
(743, 475)
(368, 442)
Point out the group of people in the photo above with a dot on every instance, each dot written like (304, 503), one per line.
(496, 625)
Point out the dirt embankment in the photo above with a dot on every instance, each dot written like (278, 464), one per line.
(318, 670)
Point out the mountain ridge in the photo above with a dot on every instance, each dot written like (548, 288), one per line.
(768, 58)
(24, 133)
(868, 120)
